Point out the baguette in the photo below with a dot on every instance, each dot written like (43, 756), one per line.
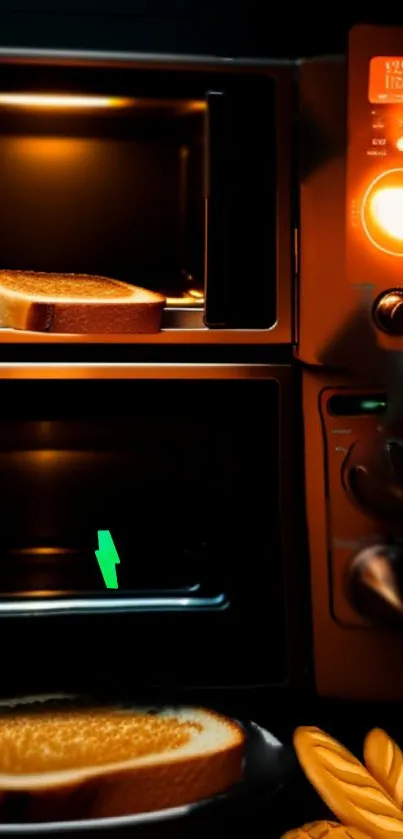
(384, 760)
(346, 786)
(322, 829)
(59, 763)
(76, 304)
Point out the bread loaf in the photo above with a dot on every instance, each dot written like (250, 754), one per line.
(346, 786)
(324, 830)
(76, 303)
(59, 763)
(384, 760)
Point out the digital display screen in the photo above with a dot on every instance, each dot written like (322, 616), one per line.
(386, 80)
(353, 405)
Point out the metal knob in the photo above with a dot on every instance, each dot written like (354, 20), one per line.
(374, 583)
(388, 312)
(373, 476)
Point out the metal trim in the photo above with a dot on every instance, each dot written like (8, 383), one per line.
(138, 59)
(86, 605)
(131, 370)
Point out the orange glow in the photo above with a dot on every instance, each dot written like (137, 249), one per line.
(191, 298)
(39, 551)
(52, 150)
(197, 107)
(382, 212)
(387, 210)
(29, 100)
(45, 101)
(43, 456)
(41, 594)
(386, 80)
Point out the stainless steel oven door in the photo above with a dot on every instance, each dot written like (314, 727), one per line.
(146, 522)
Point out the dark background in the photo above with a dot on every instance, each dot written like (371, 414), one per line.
(248, 27)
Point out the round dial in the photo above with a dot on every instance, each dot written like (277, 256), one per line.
(382, 212)
(388, 312)
(373, 476)
(375, 583)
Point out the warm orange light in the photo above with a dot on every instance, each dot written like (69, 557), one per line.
(382, 212)
(192, 298)
(386, 208)
(30, 100)
(48, 151)
(197, 107)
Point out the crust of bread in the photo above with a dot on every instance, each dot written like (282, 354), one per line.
(322, 829)
(384, 760)
(76, 304)
(141, 785)
(346, 786)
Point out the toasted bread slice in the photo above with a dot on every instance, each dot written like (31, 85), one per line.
(63, 763)
(76, 304)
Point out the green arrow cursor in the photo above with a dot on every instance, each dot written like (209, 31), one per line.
(108, 558)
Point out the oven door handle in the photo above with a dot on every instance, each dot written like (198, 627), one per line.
(103, 605)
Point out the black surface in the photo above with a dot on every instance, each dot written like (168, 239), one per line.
(183, 502)
(241, 209)
(150, 353)
(250, 27)
(346, 721)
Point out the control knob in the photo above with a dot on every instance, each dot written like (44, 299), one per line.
(373, 476)
(388, 312)
(374, 583)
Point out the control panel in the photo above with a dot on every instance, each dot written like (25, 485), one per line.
(374, 211)
(354, 512)
(364, 510)
(351, 194)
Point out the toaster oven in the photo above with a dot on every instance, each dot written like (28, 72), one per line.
(168, 173)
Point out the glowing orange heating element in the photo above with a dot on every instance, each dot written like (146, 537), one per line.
(382, 212)
(31, 100)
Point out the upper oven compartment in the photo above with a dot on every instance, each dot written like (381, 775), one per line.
(172, 175)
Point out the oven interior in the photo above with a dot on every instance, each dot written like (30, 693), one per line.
(166, 478)
(126, 173)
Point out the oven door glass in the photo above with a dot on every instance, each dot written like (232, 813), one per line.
(142, 515)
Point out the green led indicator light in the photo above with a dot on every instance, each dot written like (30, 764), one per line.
(373, 405)
(108, 559)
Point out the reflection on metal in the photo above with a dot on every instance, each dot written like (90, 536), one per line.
(119, 604)
(186, 318)
(375, 585)
(170, 370)
(192, 298)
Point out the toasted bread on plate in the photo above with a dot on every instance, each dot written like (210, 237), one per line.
(70, 762)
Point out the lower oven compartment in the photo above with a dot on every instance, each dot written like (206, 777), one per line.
(179, 465)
